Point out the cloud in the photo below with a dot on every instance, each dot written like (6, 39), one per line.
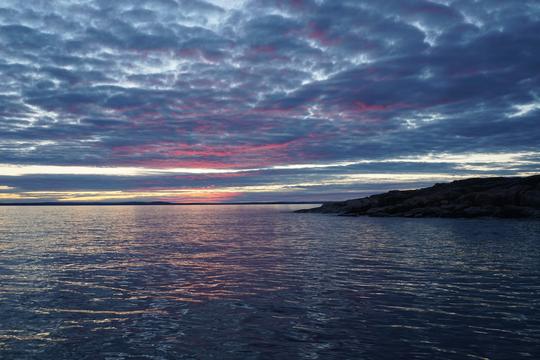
(265, 87)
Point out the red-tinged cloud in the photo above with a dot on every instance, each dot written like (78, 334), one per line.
(181, 155)
(321, 35)
(202, 197)
(264, 83)
(172, 164)
(363, 107)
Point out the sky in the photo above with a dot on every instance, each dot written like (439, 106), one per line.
(263, 100)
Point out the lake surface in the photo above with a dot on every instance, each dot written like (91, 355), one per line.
(260, 282)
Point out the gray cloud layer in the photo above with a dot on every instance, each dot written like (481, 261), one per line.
(187, 83)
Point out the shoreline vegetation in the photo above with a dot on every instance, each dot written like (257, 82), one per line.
(496, 197)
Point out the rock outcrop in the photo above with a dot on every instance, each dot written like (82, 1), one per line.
(501, 197)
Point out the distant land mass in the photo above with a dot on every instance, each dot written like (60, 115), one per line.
(139, 203)
(499, 197)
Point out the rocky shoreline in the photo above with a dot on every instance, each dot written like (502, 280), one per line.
(500, 197)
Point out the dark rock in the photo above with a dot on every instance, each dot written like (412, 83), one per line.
(510, 197)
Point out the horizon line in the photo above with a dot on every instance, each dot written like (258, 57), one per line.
(157, 203)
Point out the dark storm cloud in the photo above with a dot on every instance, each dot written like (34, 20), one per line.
(165, 83)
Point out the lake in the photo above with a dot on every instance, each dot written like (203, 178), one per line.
(261, 282)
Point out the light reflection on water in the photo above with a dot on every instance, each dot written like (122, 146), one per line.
(242, 282)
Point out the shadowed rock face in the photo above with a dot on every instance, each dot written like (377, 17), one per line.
(483, 197)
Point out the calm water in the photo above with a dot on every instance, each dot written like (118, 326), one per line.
(258, 282)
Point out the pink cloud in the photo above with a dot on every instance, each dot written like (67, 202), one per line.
(322, 35)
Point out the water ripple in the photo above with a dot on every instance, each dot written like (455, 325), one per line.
(258, 282)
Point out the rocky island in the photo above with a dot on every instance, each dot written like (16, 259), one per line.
(501, 197)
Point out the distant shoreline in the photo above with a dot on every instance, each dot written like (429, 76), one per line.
(155, 203)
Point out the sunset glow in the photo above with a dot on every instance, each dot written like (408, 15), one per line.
(220, 101)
